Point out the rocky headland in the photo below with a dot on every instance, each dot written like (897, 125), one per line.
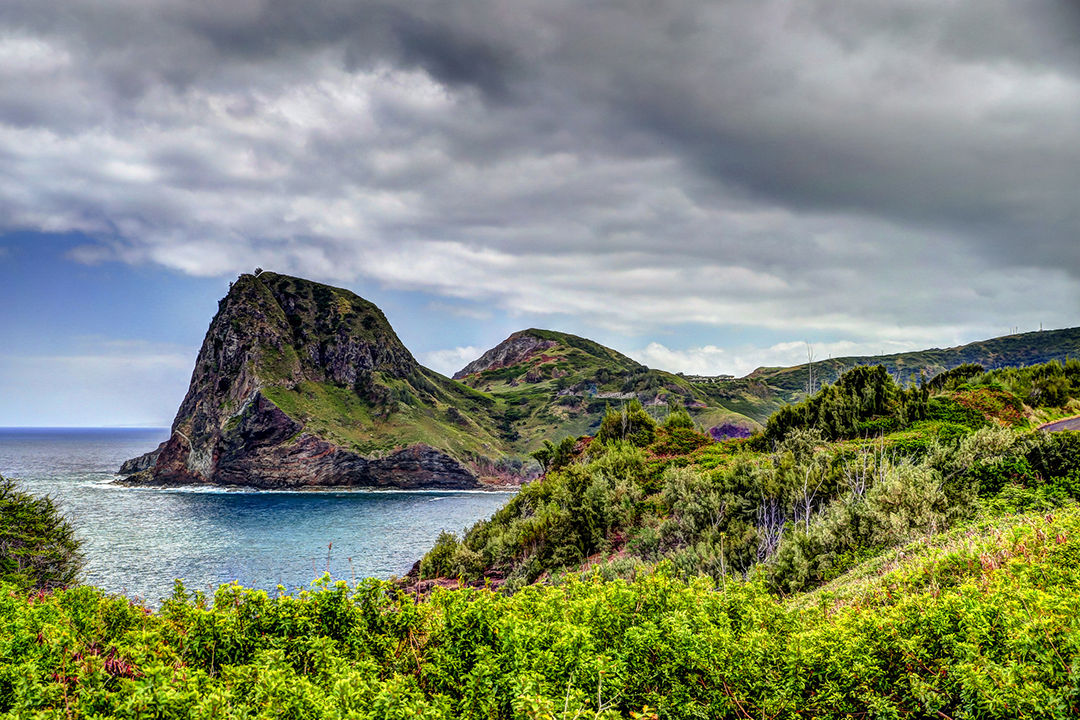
(299, 384)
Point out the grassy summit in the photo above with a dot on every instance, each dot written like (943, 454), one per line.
(552, 385)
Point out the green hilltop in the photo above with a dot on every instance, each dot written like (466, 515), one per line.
(551, 385)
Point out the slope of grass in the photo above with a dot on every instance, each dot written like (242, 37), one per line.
(854, 470)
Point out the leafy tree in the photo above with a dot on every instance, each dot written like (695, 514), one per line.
(553, 457)
(38, 547)
(679, 418)
(632, 424)
(953, 379)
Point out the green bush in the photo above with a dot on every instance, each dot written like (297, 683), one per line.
(944, 409)
(38, 547)
(978, 623)
(631, 424)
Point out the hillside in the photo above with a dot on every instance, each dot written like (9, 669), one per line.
(554, 385)
(877, 551)
(978, 622)
(858, 467)
(1030, 348)
(299, 383)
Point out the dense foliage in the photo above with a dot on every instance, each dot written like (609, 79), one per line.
(38, 548)
(879, 552)
(857, 468)
(983, 622)
(867, 401)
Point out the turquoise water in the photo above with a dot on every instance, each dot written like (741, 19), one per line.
(138, 540)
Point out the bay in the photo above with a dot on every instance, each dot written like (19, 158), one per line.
(138, 540)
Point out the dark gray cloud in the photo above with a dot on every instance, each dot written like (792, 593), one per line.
(873, 169)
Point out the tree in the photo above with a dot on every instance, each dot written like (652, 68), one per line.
(38, 547)
(632, 424)
(552, 457)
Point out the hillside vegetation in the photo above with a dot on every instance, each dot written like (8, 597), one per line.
(980, 623)
(854, 469)
(877, 551)
(551, 385)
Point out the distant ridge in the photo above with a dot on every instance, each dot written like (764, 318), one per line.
(1030, 348)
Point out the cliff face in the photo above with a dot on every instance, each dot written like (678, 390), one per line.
(301, 384)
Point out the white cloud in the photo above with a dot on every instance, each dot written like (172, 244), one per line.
(741, 361)
(451, 360)
(757, 164)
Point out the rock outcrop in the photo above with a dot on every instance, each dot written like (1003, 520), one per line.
(299, 384)
(514, 350)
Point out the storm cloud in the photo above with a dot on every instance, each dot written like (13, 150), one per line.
(883, 171)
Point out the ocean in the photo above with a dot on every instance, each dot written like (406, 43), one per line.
(137, 541)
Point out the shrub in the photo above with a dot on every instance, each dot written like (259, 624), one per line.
(38, 547)
(946, 409)
(632, 424)
(553, 457)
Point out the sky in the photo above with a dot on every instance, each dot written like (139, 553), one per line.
(706, 185)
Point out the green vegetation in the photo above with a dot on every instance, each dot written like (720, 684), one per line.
(38, 548)
(981, 622)
(438, 414)
(857, 468)
(566, 384)
(877, 551)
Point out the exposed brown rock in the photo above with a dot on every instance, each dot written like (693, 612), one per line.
(513, 350)
(280, 331)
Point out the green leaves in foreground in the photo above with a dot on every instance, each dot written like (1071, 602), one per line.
(983, 622)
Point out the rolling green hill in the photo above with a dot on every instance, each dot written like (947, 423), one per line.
(551, 385)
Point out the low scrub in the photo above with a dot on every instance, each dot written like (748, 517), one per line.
(981, 622)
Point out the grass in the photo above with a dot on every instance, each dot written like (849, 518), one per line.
(971, 552)
(341, 416)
